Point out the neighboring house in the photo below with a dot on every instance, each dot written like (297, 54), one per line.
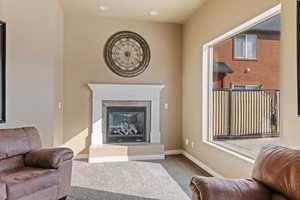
(252, 58)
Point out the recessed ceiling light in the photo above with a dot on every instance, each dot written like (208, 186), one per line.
(153, 13)
(103, 8)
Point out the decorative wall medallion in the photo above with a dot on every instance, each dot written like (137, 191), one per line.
(127, 54)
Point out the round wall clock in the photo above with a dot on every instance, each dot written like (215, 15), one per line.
(127, 54)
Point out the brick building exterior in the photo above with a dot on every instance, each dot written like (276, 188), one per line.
(262, 71)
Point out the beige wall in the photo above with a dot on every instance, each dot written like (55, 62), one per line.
(85, 37)
(35, 73)
(34, 58)
(290, 123)
(213, 19)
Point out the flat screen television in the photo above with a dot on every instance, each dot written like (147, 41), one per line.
(2, 71)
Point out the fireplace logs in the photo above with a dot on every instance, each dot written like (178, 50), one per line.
(125, 129)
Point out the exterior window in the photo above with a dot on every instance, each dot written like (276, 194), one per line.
(241, 98)
(245, 46)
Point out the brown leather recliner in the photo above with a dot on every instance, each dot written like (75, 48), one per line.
(30, 173)
(276, 176)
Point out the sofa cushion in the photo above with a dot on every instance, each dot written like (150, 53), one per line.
(18, 141)
(24, 181)
(278, 168)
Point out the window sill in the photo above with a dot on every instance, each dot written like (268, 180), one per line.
(245, 59)
(231, 152)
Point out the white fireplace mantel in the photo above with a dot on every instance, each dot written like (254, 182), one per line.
(125, 92)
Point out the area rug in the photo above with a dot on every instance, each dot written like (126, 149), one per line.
(134, 180)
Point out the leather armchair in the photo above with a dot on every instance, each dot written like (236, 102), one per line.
(30, 173)
(276, 176)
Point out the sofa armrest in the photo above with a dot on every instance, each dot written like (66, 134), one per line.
(219, 189)
(48, 158)
(3, 194)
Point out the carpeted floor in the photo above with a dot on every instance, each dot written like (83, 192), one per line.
(135, 180)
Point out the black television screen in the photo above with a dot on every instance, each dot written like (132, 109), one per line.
(2, 70)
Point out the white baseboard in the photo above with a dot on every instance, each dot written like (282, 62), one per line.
(202, 165)
(150, 157)
(125, 158)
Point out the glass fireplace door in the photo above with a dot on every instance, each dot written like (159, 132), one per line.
(126, 124)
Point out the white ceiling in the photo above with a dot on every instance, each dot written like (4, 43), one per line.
(172, 11)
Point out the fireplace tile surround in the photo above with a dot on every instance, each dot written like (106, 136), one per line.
(125, 95)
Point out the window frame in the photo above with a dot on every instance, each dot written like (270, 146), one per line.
(246, 49)
(3, 73)
(207, 79)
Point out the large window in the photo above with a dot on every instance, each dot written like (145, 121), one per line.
(241, 108)
(245, 46)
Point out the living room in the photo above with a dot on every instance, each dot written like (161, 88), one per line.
(128, 88)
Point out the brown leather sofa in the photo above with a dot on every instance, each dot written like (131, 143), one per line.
(30, 173)
(276, 176)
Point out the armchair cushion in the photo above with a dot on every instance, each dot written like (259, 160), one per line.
(219, 189)
(48, 158)
(18, 141)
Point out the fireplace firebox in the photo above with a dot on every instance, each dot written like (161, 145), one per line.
(126, 124)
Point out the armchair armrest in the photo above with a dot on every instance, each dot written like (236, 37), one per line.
(219, 189)
(48, 158)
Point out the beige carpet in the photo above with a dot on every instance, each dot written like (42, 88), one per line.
(134, 180)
